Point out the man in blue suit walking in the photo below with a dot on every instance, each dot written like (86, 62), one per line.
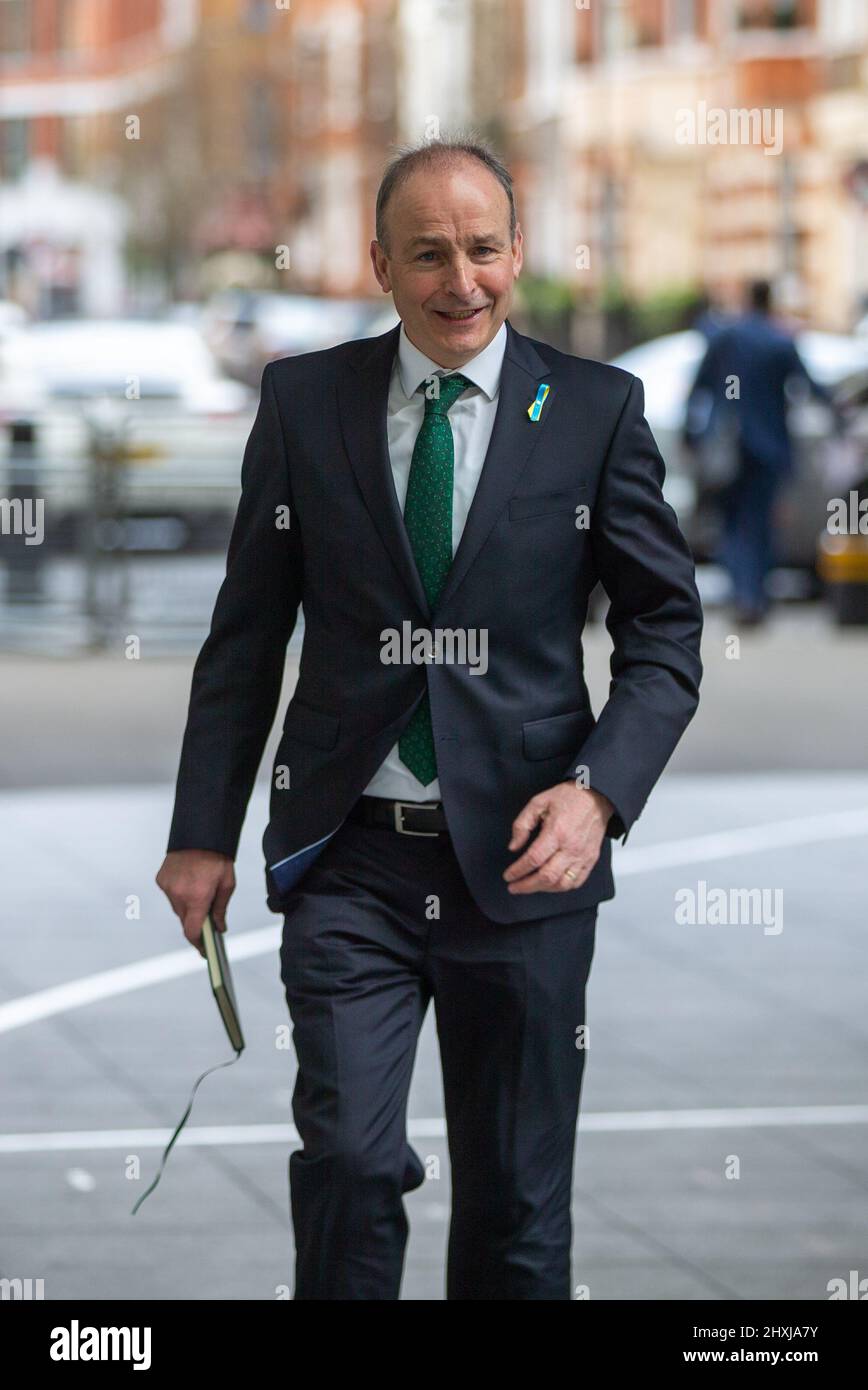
(745, 370)
(458, 481)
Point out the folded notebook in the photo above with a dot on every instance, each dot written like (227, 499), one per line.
(221, 981)
(287, 872)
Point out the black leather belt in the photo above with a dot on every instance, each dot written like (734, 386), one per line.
(407, 817)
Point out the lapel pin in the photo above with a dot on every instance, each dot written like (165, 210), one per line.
(534, 410)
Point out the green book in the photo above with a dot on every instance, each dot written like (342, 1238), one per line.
(221, 982)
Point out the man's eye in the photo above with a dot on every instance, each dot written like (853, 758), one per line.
(423, 254)
(485, 249)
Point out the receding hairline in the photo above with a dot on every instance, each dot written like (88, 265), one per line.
(446, 154)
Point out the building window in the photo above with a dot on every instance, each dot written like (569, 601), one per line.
(71, 33)
(74, 145)
(769, 14)
(616, 29)
(258, 15)
(260, 129)
(13, 149)
(684, 19)
(309, 73)
(15, 28)
(648, 23)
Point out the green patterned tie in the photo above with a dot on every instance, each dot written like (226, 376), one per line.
(428, 519)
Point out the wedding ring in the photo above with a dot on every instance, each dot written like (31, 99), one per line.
(570, 873)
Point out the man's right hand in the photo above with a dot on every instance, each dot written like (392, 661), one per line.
(196, 882)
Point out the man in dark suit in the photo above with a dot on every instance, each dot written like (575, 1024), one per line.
(442, 500)
(744, 375)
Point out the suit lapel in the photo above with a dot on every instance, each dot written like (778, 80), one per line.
(363, 390)
(363, 395)
(513, 438)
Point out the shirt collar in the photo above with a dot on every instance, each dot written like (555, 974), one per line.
(483, 369)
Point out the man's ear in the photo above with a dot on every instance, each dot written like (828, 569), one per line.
(379, 261)
(518, 253)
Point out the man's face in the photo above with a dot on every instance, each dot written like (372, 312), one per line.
(449, 253)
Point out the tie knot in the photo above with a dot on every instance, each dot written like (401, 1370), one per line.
(441, 392)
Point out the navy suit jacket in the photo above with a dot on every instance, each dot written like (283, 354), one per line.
(763, 358)
(523, 572)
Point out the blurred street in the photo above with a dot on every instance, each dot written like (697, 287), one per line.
(707, 1041)
(794, 701)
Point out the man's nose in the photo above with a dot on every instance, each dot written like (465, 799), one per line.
(459, 280)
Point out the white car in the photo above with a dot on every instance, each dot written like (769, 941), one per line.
(126, 359)
(247, 328)
(155, 386)
(12, 317)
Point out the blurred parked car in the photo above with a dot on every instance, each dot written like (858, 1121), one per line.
(154, 385)
(12, 317)
(667, 367)
(247, 328)
(74, 359)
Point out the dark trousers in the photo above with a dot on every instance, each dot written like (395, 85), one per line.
(747, 543)
(378, 926)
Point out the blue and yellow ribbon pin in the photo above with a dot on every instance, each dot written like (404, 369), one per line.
(534, 410)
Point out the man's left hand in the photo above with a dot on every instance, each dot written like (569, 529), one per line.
(574, 821)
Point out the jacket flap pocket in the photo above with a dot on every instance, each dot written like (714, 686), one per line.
(541, 503)
(311, 725)
(560, 735)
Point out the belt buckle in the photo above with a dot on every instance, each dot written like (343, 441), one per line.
(399, 817)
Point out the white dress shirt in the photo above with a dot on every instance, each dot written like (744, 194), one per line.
(472, 420)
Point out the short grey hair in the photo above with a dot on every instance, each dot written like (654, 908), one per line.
(428, 153)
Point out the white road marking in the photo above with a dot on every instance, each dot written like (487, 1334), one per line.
(600, 1122)
(30, 1008)
(748, 839)
(723, 844)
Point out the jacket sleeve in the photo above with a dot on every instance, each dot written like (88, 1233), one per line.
(654, 620)
(239, 670)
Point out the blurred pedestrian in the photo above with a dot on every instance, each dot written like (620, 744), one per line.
(745, 372)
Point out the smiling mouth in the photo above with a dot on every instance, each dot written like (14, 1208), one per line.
(460, 315)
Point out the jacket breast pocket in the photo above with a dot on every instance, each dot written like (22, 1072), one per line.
(311, 725)
(545, 503)
(558, 736)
